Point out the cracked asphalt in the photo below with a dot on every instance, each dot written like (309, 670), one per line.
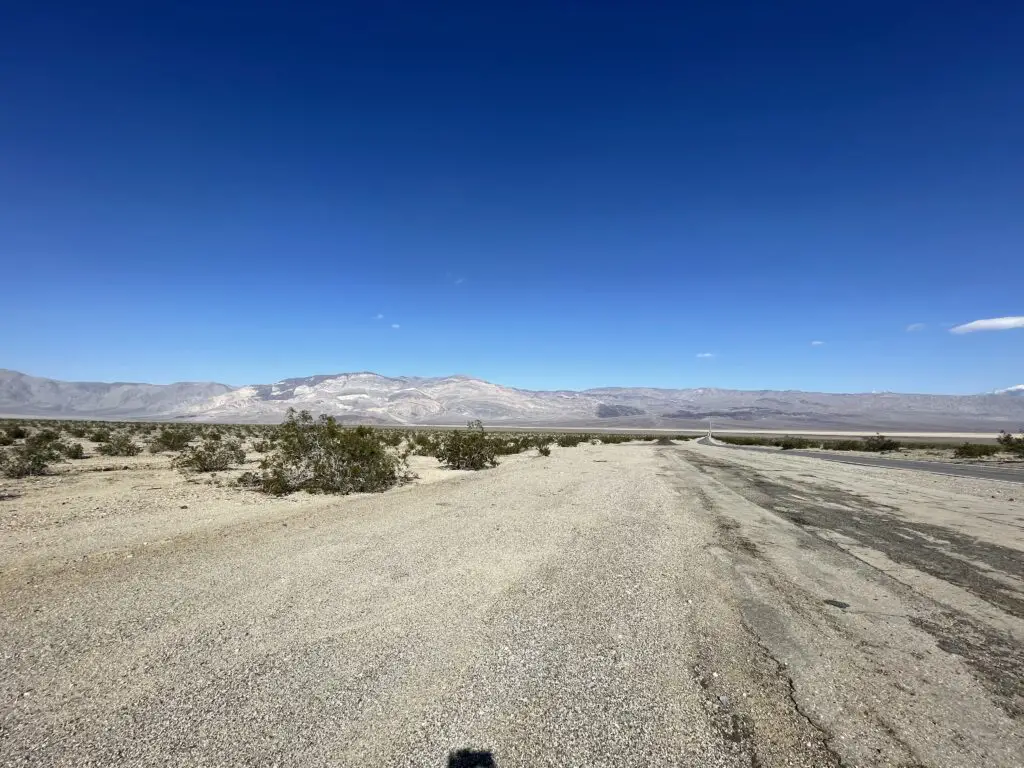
(627, 605)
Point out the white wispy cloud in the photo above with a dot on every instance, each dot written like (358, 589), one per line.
(817, 343)
(916, 327)
(990, 324)
(396, 326)
(460, 280)
(379, 316)
(705, 354)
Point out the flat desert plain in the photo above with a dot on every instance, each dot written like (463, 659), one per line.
(609, 605)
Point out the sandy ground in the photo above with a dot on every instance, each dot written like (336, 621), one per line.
(612, 605)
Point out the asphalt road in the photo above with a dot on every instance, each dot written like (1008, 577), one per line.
(626, 605)
(1014, 474)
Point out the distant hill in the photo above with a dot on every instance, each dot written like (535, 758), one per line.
(369, 398)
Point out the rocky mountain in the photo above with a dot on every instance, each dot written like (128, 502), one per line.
(22, 395)
(369, 398)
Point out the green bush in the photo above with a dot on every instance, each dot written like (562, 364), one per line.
(33, 457)
(1011, 444)
(171, 439)
(263, 445)
(119, 444)
(77, 431)
(320, 456)
(789, 443)
(6, 439)
(100, 435)
(71, 450)
(210, 456)
(976, 451)
(880, 444)
(47, 435)
(544, 450)
(470, 448)
(16, 432)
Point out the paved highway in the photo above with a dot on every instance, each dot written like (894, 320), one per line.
(1012, 474)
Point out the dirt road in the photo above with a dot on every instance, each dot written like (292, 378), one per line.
(617, 605)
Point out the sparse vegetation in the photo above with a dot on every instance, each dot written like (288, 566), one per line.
(320, 456)
(210, 456)
(976, 451)
(171, 439)
(470, 448)
(71, 450)
(100, 435)
(1011, 444)
(880, 444)
(16, 432)
(33, 457)
(119, 444)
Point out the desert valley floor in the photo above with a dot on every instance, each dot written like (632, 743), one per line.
(609, 605)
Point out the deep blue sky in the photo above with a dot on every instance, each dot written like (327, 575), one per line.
(545, 195)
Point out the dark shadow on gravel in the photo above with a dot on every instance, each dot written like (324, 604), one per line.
(471, 758)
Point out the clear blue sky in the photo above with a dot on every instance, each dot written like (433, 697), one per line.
(546, 195)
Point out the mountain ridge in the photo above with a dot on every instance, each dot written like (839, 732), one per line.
(371, 398)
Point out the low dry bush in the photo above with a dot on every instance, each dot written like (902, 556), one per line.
(470, 448)
(976, 451)
(171, 439)
(33, 457)
(210, 456)
(119, 444)
(320, 456)
(1011, 444)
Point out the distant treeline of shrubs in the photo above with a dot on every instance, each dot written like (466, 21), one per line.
(317, 455)
(1006, 443)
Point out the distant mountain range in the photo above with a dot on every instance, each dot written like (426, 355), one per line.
(369, 398)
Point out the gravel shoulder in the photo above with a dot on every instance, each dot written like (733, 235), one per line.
(609, 605)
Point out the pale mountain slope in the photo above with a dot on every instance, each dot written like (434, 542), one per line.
(373, 399)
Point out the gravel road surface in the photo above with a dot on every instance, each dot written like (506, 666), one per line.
(626, 605)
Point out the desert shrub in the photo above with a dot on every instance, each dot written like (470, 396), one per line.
(789, 443)
(6, 439)
(77, 431)
(262, 445)
(119, 444)
(32, 457)
(1011, 444)
(424, 443)
(879, 444)
(16, 432)
(210, 456)
(470, 448)
(171, 439)
(47, 435)
(976, 450)
(544, 450)
(320, 456)
(100, 435)
(844, 445)
(568, 440)
(70, 450)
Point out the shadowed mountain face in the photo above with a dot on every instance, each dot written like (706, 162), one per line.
(22, 395)
(452, 400)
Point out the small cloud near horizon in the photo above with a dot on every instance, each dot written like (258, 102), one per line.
(916, 327)
(705, 354)
(989, 324)
(396, 326)
(817, 343)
